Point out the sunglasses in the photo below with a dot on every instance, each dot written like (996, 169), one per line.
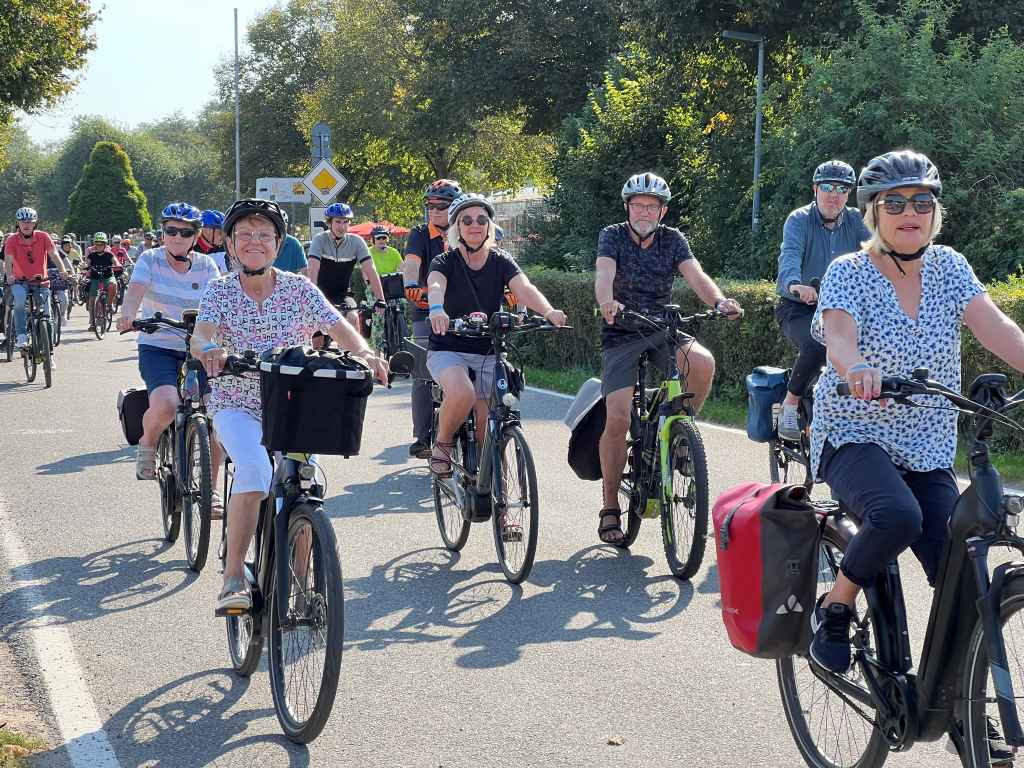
(483, 219)
(170, 231)
(437, 206)
(894, 205)
(829, 187)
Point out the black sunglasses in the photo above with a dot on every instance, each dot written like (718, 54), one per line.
(894, 205)
(180, 231)
(482, 219)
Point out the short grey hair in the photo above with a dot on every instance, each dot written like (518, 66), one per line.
(877, 242)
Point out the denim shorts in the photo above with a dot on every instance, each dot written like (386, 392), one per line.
(159, 367)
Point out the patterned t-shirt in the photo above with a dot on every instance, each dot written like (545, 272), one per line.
(917, 439)
(643, 276)
(170, 292)
(289, 316)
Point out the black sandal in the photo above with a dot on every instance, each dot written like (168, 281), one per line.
(441, 459)
(605, 528)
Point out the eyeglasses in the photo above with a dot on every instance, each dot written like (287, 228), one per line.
(437, 206)
(483, 219)
(263, 238)
(381, 237)
(830, 188)
(645, 207)
(894, 205)
(179, 231)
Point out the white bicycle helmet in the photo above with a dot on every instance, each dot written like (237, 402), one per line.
(646, 184)
(26, 214)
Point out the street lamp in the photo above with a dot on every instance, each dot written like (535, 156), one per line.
(749, 37)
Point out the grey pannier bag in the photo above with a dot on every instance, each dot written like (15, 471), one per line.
(585, 418)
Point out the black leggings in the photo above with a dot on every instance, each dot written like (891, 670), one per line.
(897, 509)
(795, 320)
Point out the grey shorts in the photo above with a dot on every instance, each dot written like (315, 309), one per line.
(618, 364)
(438, 361)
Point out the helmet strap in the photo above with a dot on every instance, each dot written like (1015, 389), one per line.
(640, 237)
(469, 250)
(255, 272)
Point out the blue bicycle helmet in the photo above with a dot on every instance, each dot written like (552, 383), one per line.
(26, 214)
(837, 171)
(338, 211)
(212, 219)
(181, 212)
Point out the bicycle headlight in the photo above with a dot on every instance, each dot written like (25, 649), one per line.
(1012, 506)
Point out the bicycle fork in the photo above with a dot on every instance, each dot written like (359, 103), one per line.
(668, 414)
(988, 603)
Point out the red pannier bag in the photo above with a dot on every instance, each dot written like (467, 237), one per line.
(766, 537)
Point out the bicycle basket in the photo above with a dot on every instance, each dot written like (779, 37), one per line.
(313, 402)
(393, 285)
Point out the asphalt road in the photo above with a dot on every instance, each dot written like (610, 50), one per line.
(445, 663)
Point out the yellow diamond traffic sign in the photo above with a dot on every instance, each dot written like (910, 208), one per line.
(325, 181)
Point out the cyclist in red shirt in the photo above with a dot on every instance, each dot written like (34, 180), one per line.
(26, 253)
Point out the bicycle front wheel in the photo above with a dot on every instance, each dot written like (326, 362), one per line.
(170, 508)
(99, 317)
(29, 356)
(45, 350)
(307, 627)
(684, 520)
(827, 729)
(197, 495)
(450, 499)
(516, 515)
(980, 714)
(58, 323)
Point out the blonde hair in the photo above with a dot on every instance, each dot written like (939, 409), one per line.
(455, 231)
(877, 243)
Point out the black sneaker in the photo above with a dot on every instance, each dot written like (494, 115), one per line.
(831, 644)
(420, 450)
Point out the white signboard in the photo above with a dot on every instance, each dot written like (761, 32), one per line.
(283, 190)
(317, 223)
(325, 181)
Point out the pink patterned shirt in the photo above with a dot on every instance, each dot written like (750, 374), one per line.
(289, 316)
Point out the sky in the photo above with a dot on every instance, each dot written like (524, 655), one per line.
(151, 60)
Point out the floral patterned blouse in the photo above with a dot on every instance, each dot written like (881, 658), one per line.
(917, 439)
(289, 316)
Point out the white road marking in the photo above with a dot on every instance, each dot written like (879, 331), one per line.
(72, 704)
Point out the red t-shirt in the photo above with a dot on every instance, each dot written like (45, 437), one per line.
(29, 255)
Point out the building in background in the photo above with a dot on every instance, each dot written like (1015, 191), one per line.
(513, 212)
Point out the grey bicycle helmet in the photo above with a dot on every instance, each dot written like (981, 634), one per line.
(835, 170)
(469, 200)
(901, 168)
(646, 184)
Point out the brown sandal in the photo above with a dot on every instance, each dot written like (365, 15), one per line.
(604, 529)
(441, 459)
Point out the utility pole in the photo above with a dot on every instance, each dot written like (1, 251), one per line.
(238, 150)
(748, 37)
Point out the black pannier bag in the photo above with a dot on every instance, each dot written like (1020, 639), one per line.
(766, 386)
(393, 285)
(131, 405)
(313, 402)
(585, 418)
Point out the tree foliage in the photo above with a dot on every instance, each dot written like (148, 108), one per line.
(107, 195)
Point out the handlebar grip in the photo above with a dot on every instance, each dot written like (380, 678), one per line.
(195, 365)
(843, 389)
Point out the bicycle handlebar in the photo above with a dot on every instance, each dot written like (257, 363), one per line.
(152, 324)
(500, 324)
(670, 318)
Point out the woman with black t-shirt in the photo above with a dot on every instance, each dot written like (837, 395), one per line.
(471, 277)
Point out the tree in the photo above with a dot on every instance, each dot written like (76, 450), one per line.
(107, 195)
(22, 178)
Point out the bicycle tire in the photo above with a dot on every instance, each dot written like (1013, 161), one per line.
(798, 707)
(979, 702)
(516, 561)
(28, 356)
(684, 526)
(315, 604)
(58, 324)
(198, 496)
(629, 503)
(449, 498)
(97, 319)
(170, 506)
(45, 350)
(9, 333)
(245, 642)
(779, 464)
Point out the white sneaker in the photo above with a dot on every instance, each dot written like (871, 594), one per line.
(22, 340)
(789, 423)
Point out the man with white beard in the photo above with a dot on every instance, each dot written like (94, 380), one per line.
(637, 261)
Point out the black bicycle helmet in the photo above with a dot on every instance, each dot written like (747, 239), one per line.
(379, 231)
(835, 170)
(268, 209)
(901, 168)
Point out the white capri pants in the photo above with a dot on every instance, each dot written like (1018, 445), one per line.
(241, 434)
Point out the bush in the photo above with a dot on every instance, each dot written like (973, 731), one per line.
(107, 197)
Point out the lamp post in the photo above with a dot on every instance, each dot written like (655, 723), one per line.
(749, 37)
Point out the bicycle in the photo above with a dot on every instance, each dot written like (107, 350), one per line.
(184, 464)
(965, 641)
(101, 315)
(388, 341)
(496, 481)
(56, 312)
(294, 574)
(40, 338)
(666, 473)
(7, 320)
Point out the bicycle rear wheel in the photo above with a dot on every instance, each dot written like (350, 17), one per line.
(170, 506)
(684, 525)
(781, 469)
(45, 350)
(827, 730)
(629, 504)
(57, 322)
(307, 627)
(8, 333)
(979, 709)
(515, 537)
(245, 642)
(450, 499)
(198, 492)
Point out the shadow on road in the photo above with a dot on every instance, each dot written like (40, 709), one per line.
(85, 460)
(421, 597)
(64, 590)
(405, 490)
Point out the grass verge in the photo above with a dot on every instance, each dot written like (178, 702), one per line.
(15, 747)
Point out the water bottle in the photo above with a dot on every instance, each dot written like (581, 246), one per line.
(191, 387)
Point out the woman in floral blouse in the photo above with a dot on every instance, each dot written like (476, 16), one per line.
(257, 307)
(894, 306)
